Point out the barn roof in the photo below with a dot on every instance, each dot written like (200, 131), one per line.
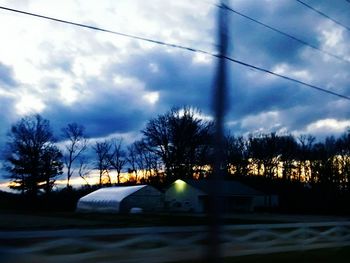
(116, 193)
(227, 188)
(107, 199)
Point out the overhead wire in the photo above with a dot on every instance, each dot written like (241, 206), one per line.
(228, 8)
(95, 28)
(180, 47)
(323, 14)
(287, 78)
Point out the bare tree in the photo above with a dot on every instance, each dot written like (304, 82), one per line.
(236, 155)
(132, 159)
(140, 160)
(264, 151)
(306, 145)
(177, 137)
(343, 146)
(147, 162)
(102, 150)
(76, 144)
(117, 158)
(84, 170)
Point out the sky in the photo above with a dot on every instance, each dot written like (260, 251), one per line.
(113, 85)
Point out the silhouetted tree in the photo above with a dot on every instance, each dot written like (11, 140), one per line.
(51, 166)
(132, 160)
(304, 157)
(343, 155)
(140, 150)
(147, 161)
(265, 153)
(84, 169)
(102, 150)
(33, 160)
(75, 146)
(177, 138)
(236, 155)
(117, 157)
(288, 150)
(322, 162)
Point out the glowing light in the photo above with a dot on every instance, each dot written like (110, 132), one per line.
(151, 97)
(286, 69)
(202, 59)
(329, 125)
(28, 104)
(153, 67)
(180, 185)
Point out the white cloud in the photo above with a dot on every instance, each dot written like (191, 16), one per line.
(127, 137)
(200, 58)
(197, 114)
(332, 37)
(29, 104)
(328, 126)
(67, 92)
(285, 69)
(263, 122)
(72, 59)
(153, 67)
(89, 65)
(151, 97)
(34, 47)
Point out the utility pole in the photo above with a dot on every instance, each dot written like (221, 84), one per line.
(219, 108)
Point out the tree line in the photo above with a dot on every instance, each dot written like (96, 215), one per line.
(176, 144)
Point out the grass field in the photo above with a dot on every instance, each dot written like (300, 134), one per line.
(330, 255)
(12, 220)
(31, 220)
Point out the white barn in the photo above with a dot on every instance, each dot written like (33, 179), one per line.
(121, 199)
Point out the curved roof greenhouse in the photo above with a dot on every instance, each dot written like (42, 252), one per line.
(107, 199)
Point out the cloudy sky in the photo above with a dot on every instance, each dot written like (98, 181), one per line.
(113, 85)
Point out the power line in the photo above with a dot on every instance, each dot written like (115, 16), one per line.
(180, 47)
(288, 78)
(323, 14)
(97, 28)
(283, 33)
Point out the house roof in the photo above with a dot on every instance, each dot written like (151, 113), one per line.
(227, 188)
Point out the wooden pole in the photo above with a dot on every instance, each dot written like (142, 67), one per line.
(219, 108)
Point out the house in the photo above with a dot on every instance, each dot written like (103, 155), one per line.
(192, 196)
(122, 199)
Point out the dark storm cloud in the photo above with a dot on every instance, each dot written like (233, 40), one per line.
(253, 96)
(179, 79)
(104, 113)
(269, 46)
(6, 76)
(120, 108)
(7, 118)
(338, 10)
(262, 47)
(184, 83)
(256, 100)
(99, 120)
